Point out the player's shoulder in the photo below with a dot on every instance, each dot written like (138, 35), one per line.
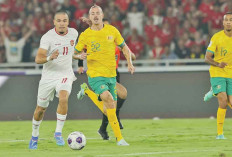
(218, 34)
(111, 27)
(86, 32)
(49, 34)
(73, 31)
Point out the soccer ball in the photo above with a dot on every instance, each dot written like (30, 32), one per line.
(76, 140)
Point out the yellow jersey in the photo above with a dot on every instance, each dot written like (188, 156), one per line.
(221, 46)
(100, 50)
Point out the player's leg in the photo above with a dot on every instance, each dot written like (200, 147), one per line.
(45, 94)
(209, 95)
(93, 96)
(111, 112)
(219, 88)
(221, 113)
(63, 89)
(122, 95)
(36, 121)
(110, 105)
(61, 114)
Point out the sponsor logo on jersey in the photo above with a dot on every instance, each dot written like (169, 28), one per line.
(58, 44)
(72, 42)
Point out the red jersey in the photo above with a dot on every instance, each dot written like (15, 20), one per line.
(117, 56)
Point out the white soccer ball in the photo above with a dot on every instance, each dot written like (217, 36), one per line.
(76, 140)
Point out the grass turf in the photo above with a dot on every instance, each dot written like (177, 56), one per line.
(158, 138)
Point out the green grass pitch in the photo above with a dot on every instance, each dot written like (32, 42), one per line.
(158, 138)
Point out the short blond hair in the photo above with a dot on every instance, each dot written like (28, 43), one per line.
(95, 6)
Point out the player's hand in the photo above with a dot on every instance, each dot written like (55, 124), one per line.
(81, 70)
(83, 55)
(54, 55)
(222, 65)
(86, 20)
(131, 68)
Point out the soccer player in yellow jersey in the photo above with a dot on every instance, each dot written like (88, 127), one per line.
(99, 40)
(219, 56)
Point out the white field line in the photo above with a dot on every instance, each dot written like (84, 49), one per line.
(41, 139)
(156, 153)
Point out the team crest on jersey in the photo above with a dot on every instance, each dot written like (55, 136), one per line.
(102, 86)
(218, 86)
(110, 37)
(72, 42)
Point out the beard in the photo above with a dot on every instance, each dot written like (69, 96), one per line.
(61, 32)
(228, 30)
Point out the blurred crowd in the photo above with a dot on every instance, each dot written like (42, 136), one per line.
(153, 29)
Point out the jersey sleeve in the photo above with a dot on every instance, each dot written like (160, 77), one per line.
(81, 43)
(75, 32)
(212, 45)
(44, 42)
(118, 38)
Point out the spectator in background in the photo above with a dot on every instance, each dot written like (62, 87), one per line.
(13, 45)
(150, 31)
(69, 8)
(136, 3)
(168, 54)
(196, 52)
(116, 23)
(157, 51)
(165, 34)
(135, 43)
(5, 10)
(215, 22)
(157, 17)
(135, 20)
(180, 50)
(171, 20)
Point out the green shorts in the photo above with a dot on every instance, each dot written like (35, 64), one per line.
(101, 84)
(221, 84)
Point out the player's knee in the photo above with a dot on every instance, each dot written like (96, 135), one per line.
(107, 97)
(122, 93)
(40, 111)
(63, 100)
(63, 97)
(223, 101)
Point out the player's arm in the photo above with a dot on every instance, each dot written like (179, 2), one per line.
(210, 53)
(127, 54)
(29, 33)
(42, 57)
(209, 59)
(79, 48)
(125, 49)
(79, 55)
(133, 57)
(86, 20)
